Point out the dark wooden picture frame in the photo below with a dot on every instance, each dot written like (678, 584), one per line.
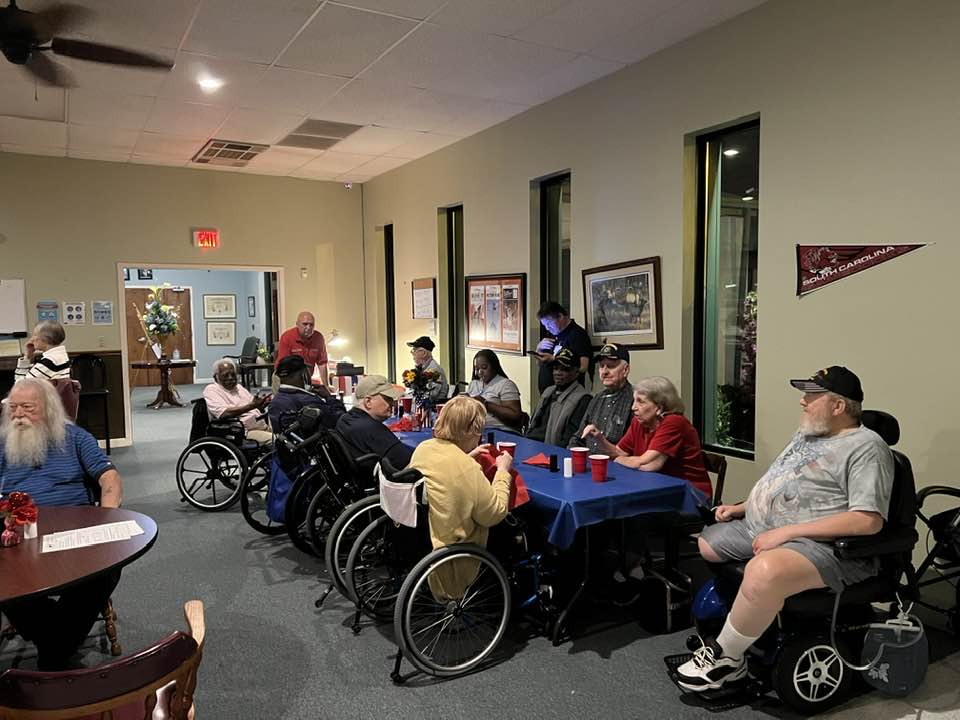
(496, 311)
(622, 304)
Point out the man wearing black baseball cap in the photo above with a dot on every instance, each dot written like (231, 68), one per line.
(422, 351)
(293, 395)
(563, 404)
(833, 479)
(609, 412)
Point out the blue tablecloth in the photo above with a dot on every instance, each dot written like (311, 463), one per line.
(578, 501)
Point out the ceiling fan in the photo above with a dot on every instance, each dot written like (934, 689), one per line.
(26, 38)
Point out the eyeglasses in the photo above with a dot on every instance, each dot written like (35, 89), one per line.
(389, 400)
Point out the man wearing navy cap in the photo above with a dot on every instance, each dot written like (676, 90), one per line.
(833, 479)
(422, 351)
(610, 412)
(295, 393)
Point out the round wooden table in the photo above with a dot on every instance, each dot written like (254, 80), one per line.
(167, 394)
(27, 572)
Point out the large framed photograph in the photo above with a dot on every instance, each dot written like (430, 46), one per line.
(221, 333)
(496, 312)
(622, 304)
(219, 306)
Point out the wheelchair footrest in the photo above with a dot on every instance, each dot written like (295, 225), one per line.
(737, 694)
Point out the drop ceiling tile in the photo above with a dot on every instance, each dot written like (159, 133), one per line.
(149, 144)
(294, 91)
(308, 173)
(336, 163)
(33, 150)
(258, 126)
(19, 97)
(417, 9)
(97, 76)
(510, 69)
(159, 159)
(423, 144)
(239, 78)
(105, 155)
(32, 133)
(343, 41)
(280, 159)
(374, 140)
(194, 120)
(498, 17)
(81, 137)
(105, 108)
(363, 102)
(490, 113)
(251, 30)
(380, 165)
(565, 77)
(135, 24)
(352, 177)
(425, 110)
(583, 24)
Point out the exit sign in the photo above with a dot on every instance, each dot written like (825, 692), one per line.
(206, 238)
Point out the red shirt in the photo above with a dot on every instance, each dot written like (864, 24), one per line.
(313, 350)
(676, 438)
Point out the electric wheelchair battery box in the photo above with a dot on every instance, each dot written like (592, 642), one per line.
(664, 602)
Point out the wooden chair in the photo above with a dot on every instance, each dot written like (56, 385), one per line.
(717, 465)
(69, 392)
(91, 372)
(132, 687)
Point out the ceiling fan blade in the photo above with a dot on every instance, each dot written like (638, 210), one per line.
(48, 72)
(58, 19)
(96, 52)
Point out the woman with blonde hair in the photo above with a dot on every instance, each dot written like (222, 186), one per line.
(660, 438)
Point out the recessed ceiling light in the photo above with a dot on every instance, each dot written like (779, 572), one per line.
(209, 83)
(731, 152)
(747, 198)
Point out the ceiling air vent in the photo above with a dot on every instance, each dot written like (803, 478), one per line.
(318, 134)
(228, 152)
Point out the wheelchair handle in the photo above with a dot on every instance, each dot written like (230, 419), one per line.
(300, 443)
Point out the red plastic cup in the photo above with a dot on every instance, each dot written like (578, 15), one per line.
(510, 447)
(598, 467)
(579, 458)
(407, 403)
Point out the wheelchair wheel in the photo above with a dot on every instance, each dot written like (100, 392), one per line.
(452, 610)
(809, 676)
(323, 511)
(298, 504)
(342, 536)
(253, 497)
(209, 474)
(375, 569)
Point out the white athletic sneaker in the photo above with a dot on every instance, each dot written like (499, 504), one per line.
(710, 669)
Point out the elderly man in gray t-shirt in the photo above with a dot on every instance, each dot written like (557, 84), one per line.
(833, 479)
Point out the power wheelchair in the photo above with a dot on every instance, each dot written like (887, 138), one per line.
(211, 468)
(797, 657)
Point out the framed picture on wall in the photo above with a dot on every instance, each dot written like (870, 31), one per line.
(221, 333)
(496, 312)
(144, 274)
(622, 304)
(251, 306)
(424, 293)
(219, 306)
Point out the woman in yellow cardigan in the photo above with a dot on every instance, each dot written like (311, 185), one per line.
(463, 504)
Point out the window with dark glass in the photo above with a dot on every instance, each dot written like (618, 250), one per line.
(726, 321)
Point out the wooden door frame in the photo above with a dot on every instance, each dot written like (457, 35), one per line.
(127, 439)
(193, 329)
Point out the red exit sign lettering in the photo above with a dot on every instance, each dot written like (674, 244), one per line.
(206, 238)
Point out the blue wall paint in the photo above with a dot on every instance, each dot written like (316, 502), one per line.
(241, 283)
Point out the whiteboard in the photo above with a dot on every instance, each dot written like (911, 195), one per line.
(13, 307)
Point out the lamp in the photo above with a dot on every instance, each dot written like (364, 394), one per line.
(336, 339)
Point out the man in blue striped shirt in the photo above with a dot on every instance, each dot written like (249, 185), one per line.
(57, 463)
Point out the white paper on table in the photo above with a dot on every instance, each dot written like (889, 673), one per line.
(157, 350)
(93, 535)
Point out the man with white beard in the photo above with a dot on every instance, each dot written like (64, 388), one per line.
(45, 455)
(834, 479)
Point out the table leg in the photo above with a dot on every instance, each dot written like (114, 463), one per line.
(561, 621)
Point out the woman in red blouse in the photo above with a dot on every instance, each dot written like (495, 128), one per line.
(660, 438)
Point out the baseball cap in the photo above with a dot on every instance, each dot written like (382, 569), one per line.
(836, 379)
(567, 358)
(612, 351)
(377, 385)
(290, 364)
(423, 342)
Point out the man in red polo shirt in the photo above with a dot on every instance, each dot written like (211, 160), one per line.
(306, 342)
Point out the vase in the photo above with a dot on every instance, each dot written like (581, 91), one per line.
(12, 534)
(30, 531)
(261, 361)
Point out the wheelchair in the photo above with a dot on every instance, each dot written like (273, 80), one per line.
(211, 469)
(799, 656)
(944, 556)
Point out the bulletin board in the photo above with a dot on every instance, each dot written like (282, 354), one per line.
(13, 306)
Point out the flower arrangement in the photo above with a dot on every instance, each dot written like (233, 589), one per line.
(421, 382)
(17, 510)
(262, 352)
(160, 319)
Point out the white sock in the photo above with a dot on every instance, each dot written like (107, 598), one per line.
(733, 644)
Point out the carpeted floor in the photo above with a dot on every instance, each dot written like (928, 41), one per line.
(271, 654)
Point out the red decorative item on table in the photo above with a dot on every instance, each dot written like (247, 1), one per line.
(17, 510)
(518, 488)
(421, 382)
